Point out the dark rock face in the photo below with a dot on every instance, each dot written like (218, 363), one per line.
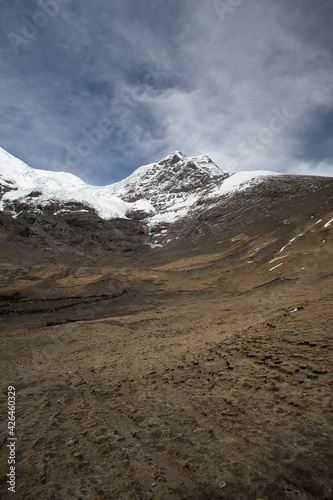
(5, 189)
(172, 177)
(44, 236)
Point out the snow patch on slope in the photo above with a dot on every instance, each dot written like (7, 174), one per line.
(241, 181)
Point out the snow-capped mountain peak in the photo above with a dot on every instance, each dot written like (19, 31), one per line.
(176, 175)
(156, 193)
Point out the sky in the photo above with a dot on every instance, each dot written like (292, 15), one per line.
(99, 88)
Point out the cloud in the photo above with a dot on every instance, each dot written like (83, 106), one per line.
(248, 83)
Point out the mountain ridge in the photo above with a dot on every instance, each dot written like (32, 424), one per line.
(178, 204)
(160, 192)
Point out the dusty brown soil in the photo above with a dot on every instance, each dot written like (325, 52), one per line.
(202, 377)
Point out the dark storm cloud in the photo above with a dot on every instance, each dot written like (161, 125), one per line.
(99, 88)
(315, 137)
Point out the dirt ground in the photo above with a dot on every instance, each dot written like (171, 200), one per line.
(206, 377)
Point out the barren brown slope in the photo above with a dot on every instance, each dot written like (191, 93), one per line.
(200, 370)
